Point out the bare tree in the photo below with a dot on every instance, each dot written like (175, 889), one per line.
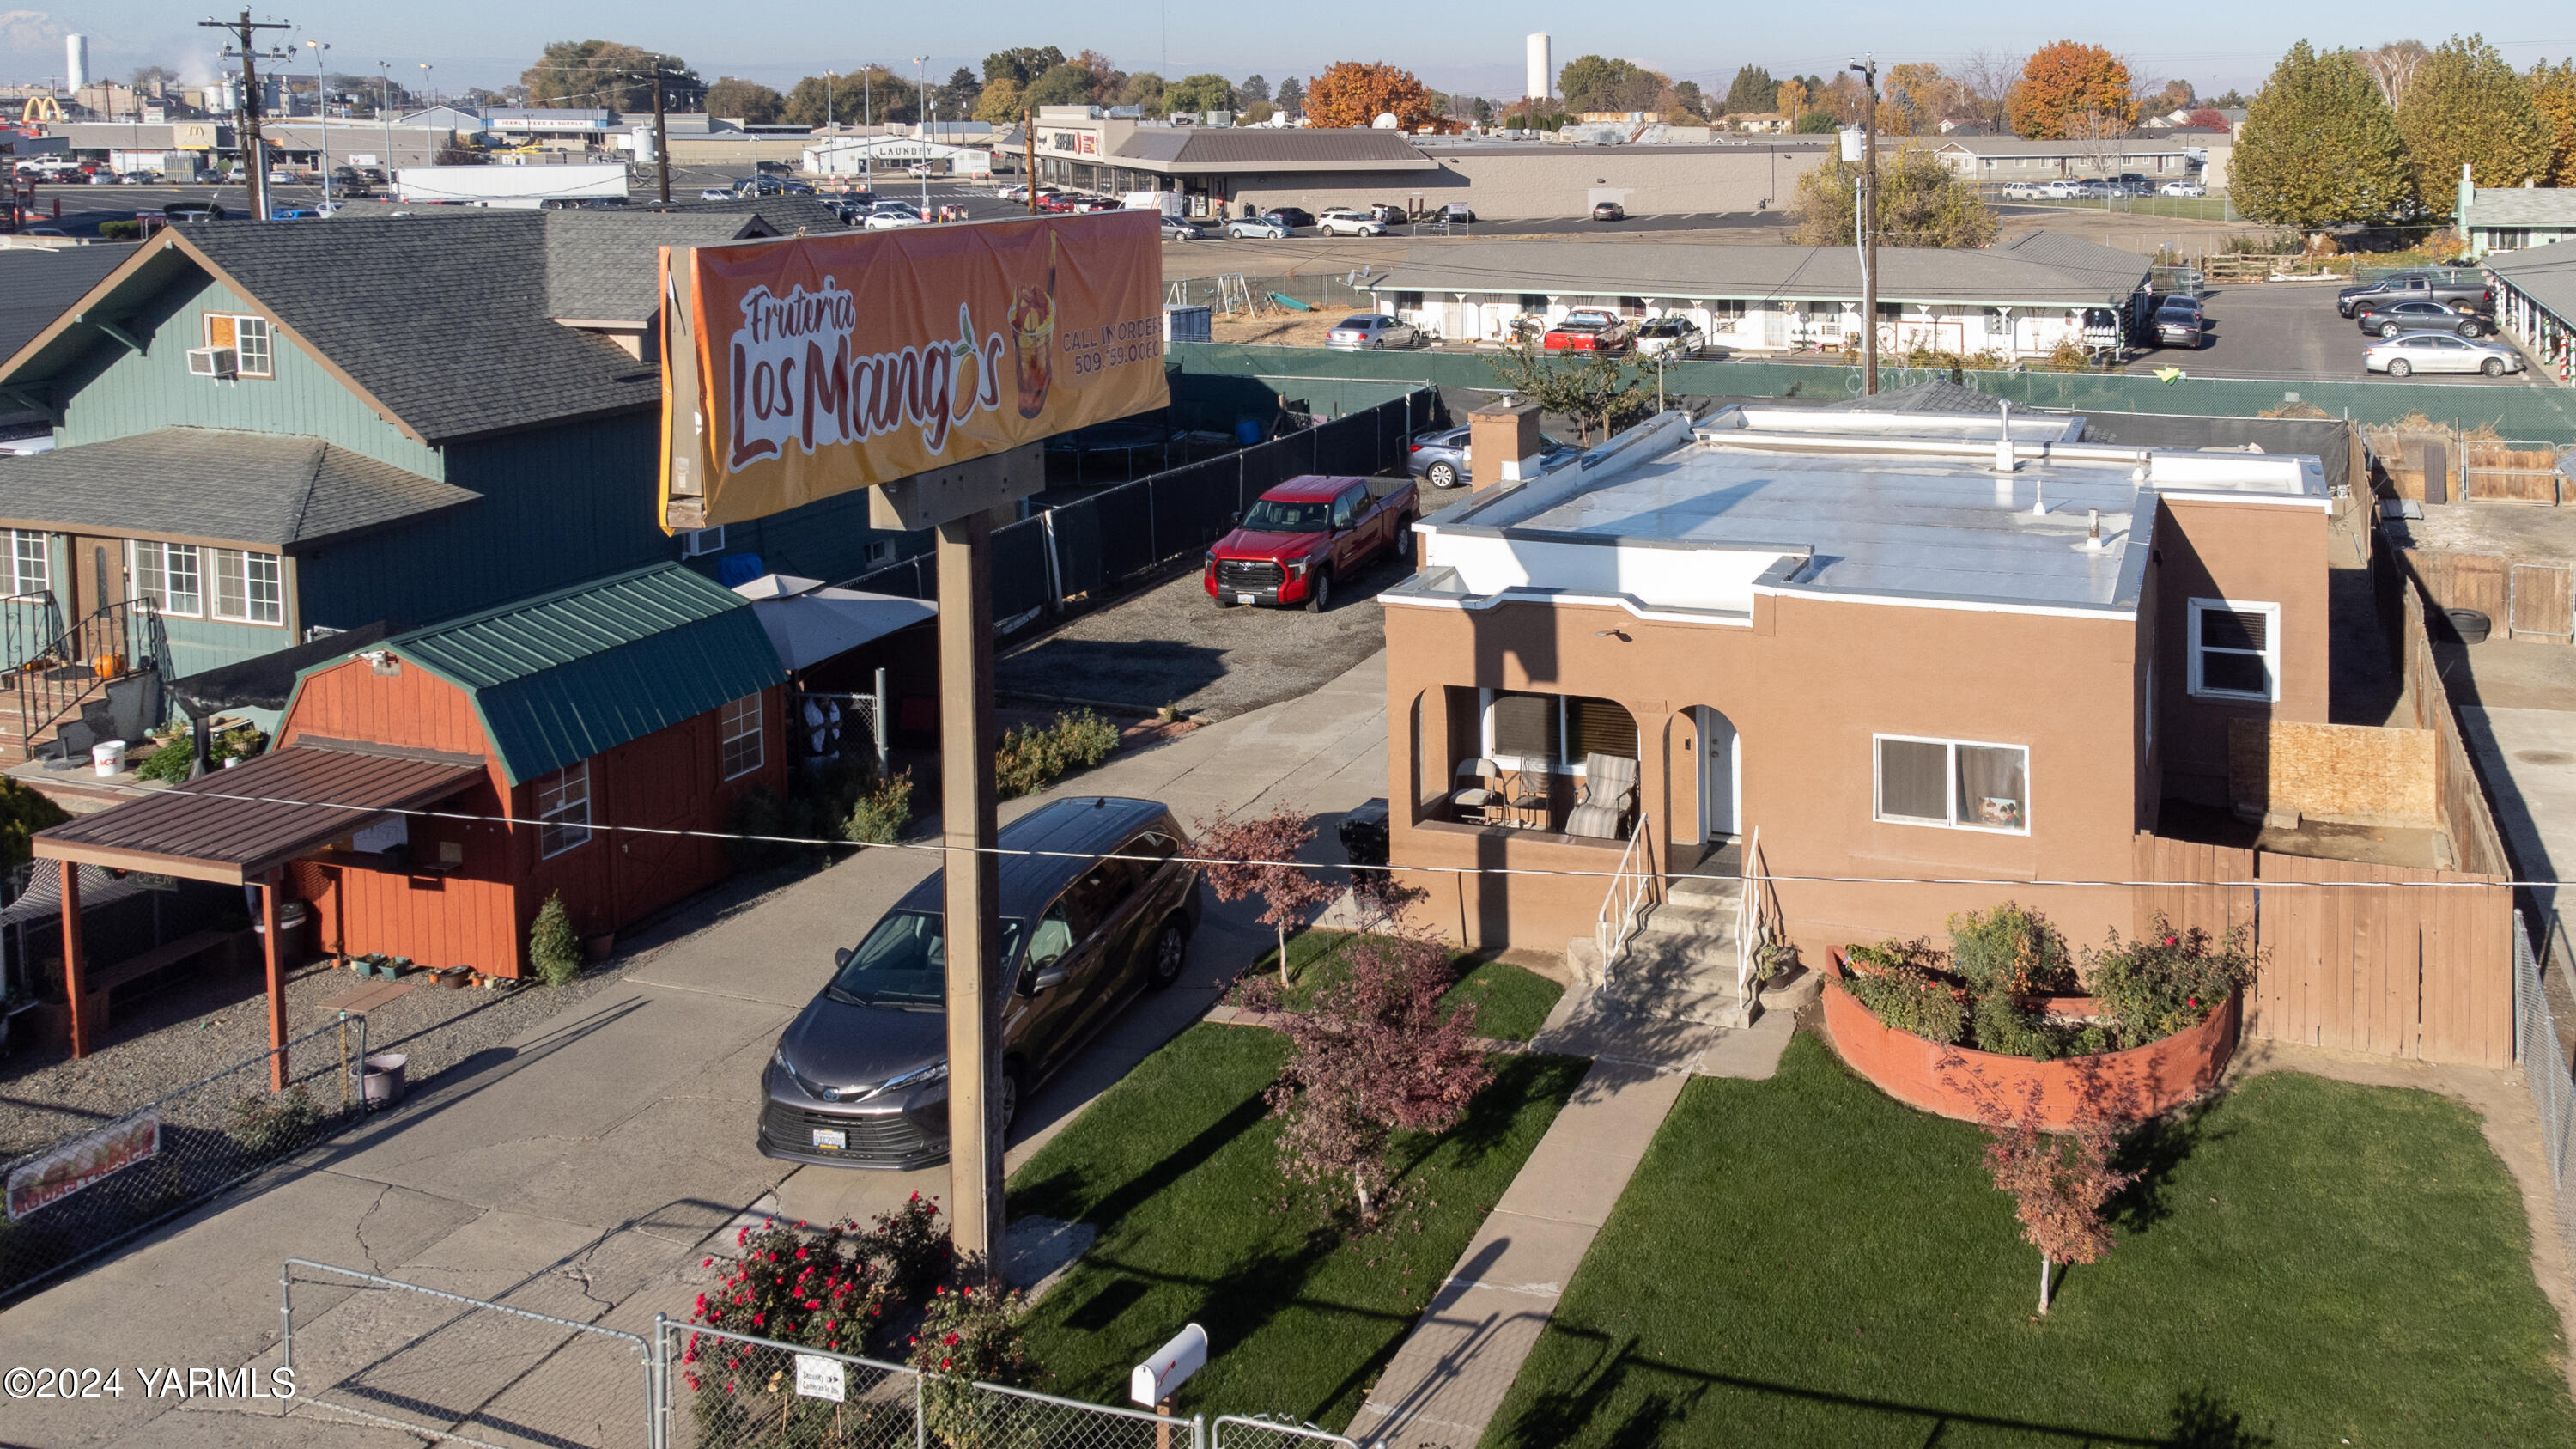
(2394, 66)
(1986, 80)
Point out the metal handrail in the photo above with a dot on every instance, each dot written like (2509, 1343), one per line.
(1631, 890)
(128, 631)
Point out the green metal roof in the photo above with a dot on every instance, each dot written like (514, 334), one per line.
(563, 676)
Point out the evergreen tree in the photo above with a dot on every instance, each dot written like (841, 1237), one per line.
(2320, 146)
(1292, 96)
(1754, 90)
(2468, 107)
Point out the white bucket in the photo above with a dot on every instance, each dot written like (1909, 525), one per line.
(108, 758)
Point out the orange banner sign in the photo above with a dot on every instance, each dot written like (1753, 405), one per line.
(803, 367)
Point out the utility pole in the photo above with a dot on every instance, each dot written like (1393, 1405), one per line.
(662, 139)
(1029, 139)
(385, 108)
(972, 874)
(1867, 211)
(322, 108)
(245, 35)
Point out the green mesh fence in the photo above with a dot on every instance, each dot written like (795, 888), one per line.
(2523, 412)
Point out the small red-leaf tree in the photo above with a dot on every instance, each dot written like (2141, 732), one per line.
(2059, 1183)
(1374, 1056)
(1258, 857)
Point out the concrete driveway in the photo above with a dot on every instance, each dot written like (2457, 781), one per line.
(580, 1170)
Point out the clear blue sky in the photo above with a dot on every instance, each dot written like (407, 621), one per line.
(1458, 47)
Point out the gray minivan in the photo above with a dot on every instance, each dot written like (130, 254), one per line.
(860, 1077)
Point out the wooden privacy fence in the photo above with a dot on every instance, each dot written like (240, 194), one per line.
(2500, 472)
(2372, 958)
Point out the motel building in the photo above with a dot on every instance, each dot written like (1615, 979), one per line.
(2019, 299)
(1879, 646)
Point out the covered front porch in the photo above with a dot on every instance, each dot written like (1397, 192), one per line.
(242, 827)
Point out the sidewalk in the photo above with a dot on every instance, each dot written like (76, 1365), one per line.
(1450, 1376)
(579, 1169)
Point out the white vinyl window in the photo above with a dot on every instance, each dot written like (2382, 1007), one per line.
(2235, 650)
(739, 728)
(31, 562)
(563, 810)
(249, 338)
(248, 588)
(167, 574)
(1961, 784)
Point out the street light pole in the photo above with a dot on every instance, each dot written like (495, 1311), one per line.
(1867, 211)
(385, 108)
(921, 63)
(426, 87)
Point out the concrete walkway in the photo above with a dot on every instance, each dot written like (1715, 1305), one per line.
(1449, 1377)
(581, 1170)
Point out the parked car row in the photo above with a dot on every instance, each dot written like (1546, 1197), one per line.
(2097, 188)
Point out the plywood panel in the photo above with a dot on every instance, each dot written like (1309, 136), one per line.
(2540, 600)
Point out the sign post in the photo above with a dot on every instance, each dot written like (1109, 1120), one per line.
(927, 367)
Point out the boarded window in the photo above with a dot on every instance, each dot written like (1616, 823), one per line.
(219, 329)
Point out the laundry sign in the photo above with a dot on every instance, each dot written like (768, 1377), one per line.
(798, 368)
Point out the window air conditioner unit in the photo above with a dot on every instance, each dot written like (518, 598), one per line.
(697, 541)
(212, 361)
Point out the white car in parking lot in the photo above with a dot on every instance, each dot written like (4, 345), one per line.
(2185, 188)
(891, 220)
(1348, 221)
(2413, 352)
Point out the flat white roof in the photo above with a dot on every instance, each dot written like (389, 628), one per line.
(1903, 507)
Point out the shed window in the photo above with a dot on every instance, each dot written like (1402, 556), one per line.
(31, 562)
(2235, 650)
(167, 574)
(563, 810)
(248, 587)
(1956, 783)
(739, 728)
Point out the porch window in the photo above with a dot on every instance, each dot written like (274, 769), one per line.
(1961, 784)
(248, 588)
(31, 562)
(1725, 309)
(563, 810)
(1552, 733)
(2235, 650)
(166, 573)
(739, 729)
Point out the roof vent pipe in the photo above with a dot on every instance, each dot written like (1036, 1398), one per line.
(2004, 460)
(2093, 531)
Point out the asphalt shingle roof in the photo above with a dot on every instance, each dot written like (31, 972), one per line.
(37, 283)
(265, 489)
(2039, 269)
(2546, 274)
(2523, 206)
(562, 676)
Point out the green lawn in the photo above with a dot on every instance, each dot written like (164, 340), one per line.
(1511, 1002)
(1176, 1167)
(1804, 1261)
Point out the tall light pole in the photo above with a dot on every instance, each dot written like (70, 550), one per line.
(1867, 212)
(385, 108)
(322, 108)
(426, 88)
(921, 64)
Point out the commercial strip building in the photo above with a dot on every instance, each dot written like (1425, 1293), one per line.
(1231, 171)
(2182, 154)
(2536, 301)
(2020, 298)
(184, 147)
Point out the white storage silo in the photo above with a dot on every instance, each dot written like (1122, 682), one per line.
(75, 63)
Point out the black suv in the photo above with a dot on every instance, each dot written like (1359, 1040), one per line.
(1292, 217)
(1100, 908)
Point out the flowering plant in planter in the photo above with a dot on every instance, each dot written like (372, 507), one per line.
(2168, 980)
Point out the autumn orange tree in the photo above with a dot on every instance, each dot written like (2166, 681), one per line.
(2064, 82)
(1356, 93)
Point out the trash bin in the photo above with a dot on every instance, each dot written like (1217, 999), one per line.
(107, 758)
(1363, 836)
(291, 918)
(382, 1084)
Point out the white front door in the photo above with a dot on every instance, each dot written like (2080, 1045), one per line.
(1720, 777)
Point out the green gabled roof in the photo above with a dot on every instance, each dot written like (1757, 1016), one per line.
(564, 676)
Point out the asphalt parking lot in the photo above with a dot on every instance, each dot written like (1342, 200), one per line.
(2290, 330)
(1171, 644)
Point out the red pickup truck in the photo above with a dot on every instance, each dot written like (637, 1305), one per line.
(1296, 538)
(1588, 329)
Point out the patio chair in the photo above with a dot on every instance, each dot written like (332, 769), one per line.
(1473, 791)
(1528, 792)
(1609, 793)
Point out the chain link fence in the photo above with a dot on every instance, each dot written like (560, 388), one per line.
(723, 1390)
(1260, 1431)
(461, 1370)
(1098, 543)
(2545, 1067)
(88, 1191)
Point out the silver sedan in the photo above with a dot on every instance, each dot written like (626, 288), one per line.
(2415, 352)
(1367, 331)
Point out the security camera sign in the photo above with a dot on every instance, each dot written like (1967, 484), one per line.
(799, 368)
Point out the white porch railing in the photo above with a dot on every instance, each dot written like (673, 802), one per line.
(1632, 891)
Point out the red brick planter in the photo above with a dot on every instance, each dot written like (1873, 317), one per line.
(1952, 1080)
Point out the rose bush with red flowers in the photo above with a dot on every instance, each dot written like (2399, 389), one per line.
(967, 1336)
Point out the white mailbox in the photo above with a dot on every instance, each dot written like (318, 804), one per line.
(1155, 1378)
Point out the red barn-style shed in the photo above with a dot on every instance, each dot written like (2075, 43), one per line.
(480, 759)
